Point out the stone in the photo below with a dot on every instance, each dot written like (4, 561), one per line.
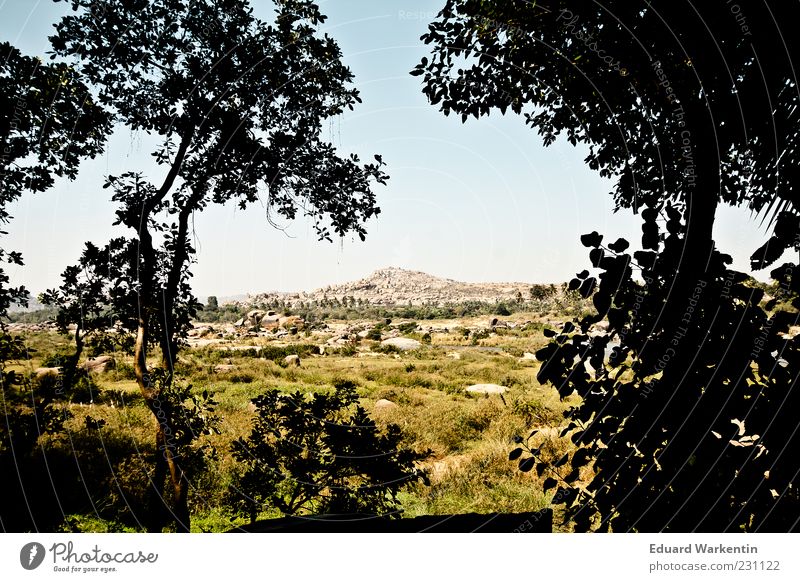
(43, 372)
(454, 355)
(99, 364)
(255, 316)
(239, 322)
(270, 322)
(402, 343)
(293, 360)
(529, 356)
(383, 404)
(291, 321)
(487, 389)
(222, 368)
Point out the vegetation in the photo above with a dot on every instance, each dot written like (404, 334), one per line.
(321, 455)
(683, 421)
(105, 448)
(221, 140)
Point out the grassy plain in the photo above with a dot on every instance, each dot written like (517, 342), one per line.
(468, 436)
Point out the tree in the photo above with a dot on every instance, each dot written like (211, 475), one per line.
(96, 295)
(49, 123)
(686, 107)
(212, 304)
(238, 105)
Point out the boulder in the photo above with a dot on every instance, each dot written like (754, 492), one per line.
(99, 364)
(402, 343)
(43, 372)
(487, 389)
(222, 368)
(255, 316)
(529, 356)
(454, 355)
(384, 404)
(270, 322)
(293, 360)
(291, 321)
(239, 322)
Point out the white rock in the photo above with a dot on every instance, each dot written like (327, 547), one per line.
(402, 343)
(98, 364)
(487, 389)
(293, 360)
(383, 404)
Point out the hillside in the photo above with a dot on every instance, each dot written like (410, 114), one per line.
(395, 286)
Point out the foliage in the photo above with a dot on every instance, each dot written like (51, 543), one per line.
(685, 423)
(322, 454)
(49, 123)
(569, 68)
(698, 448)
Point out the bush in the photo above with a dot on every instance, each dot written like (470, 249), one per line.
(322, 454)
(407, 327)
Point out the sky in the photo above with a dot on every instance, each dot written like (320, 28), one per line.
(481, 201)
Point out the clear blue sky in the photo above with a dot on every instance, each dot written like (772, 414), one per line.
(484, 201)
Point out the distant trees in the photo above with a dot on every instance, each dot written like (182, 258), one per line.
(238, 105)
(685, 419)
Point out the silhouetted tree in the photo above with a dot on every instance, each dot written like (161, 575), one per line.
(684, 418)
(238, 105)
(49, 123)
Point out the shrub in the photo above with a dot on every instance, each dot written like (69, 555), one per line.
(386, 349)
(407, 327)
(320, 454)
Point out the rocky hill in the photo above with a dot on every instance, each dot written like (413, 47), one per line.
(394, 286)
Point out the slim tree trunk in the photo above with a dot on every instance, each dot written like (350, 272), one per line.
(71, 369)
(166, 457)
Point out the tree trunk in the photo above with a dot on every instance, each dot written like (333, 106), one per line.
(71, 369)
(692, 274)
(148, 304)
(157, 507)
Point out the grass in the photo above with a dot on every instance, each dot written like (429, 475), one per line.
(468, 437)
